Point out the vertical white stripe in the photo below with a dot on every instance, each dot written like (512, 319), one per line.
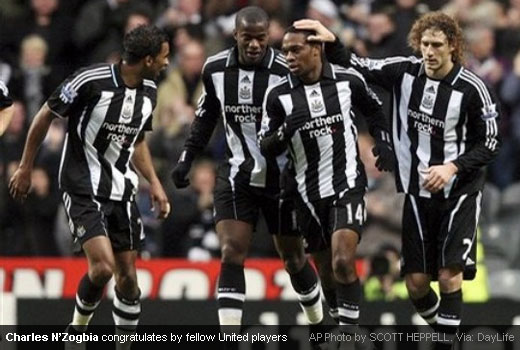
(419, 226)
(245, 86)
(238, 153)
(477, 217)
(128, 106)
(450, 134)
(344, 95)
(300, 163)
(67, 204)
(316, 105)
(325, 168)
(404, 156)
(315, 102)
(259, 172)
(429, 96)
(96, 120)
(450, 222)
(62, 160)
(131, 236)
(424, 154)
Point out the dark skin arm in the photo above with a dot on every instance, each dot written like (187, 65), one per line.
(20, 182)
(142, 161)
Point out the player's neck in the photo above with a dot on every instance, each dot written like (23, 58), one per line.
(314, 75)
(131, 75)
(440, 73)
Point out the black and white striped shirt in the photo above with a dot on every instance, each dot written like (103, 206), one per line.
(324, 149)
(236, 93)
(5, 100)
(105, 120)
(435, 122)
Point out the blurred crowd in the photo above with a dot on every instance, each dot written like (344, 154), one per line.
(42, 41)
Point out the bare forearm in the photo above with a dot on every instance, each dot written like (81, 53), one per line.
(142, 161)
(36, 135)
(5, 118)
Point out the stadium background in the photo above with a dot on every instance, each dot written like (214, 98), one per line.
(42, 41)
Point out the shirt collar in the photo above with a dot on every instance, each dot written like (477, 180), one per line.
(266, 62)
(327, 73)
(450, 77)
(117, 78)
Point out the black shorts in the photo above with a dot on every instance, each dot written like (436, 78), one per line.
(89, 217)
(318, 220)
(239, 201)
(440, 233)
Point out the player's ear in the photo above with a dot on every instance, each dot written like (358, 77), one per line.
(148, 60)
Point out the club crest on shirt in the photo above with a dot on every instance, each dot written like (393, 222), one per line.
(317, 106)
(67, 93)
(128, 109)
(245, 93)
(427, 101)
(489, 112)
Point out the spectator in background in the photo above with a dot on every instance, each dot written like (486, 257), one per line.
(276, 31)
(180, 13)
(481, 58)
(101, 24)
(12, 219)
(43, 20)
(508, 36)
(203, 241)
(508, 161)
(472, 12)
(33, 80)
(385, 282)
(382, 39)
(176, 103)
(40, 213)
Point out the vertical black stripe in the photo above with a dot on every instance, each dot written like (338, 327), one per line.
(437, 138)
(414, 104)
(397, 121)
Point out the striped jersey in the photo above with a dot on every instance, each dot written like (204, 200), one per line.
(105, 118)
(235, 94)
(324, 148)
(435, 122)
(5, 100)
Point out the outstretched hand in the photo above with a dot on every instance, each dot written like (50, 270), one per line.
(322, 33)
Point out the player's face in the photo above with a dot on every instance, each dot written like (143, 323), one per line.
(252, 41)
(300, 55)
(159, 63)
(436, 52)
